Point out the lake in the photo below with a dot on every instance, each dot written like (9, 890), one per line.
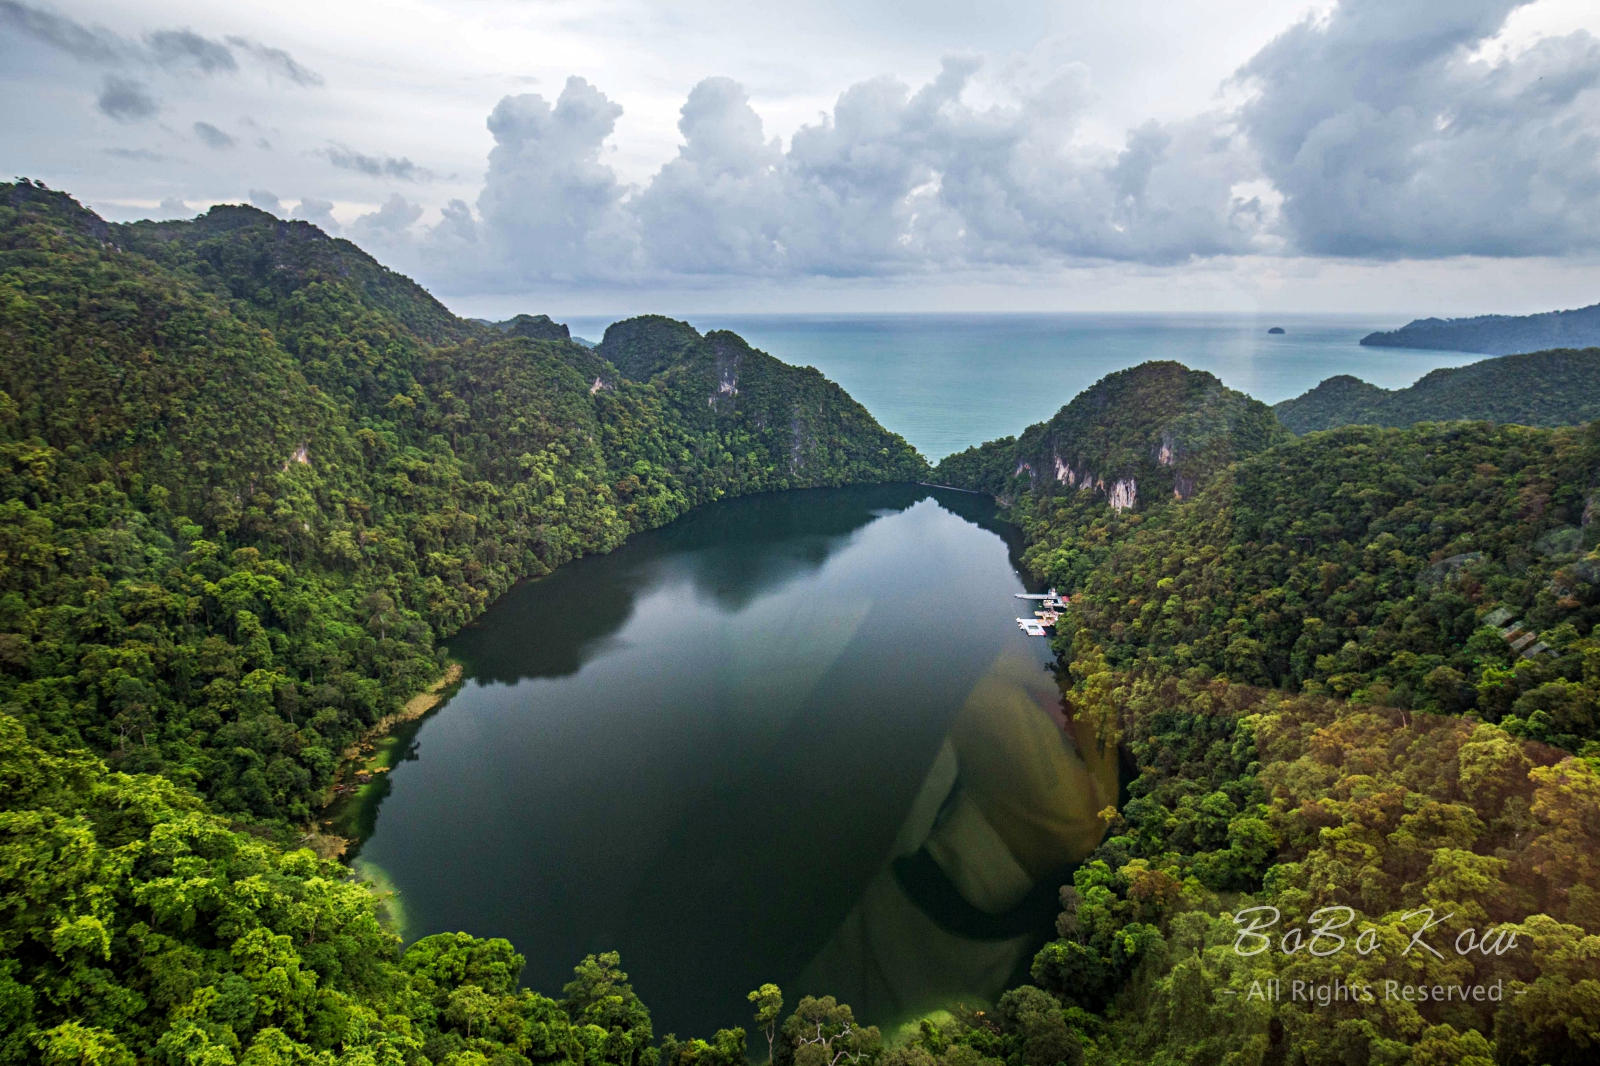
(794, 737)
(798, 737)
(946, 382)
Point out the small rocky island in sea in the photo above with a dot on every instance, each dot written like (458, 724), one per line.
(1275, 329)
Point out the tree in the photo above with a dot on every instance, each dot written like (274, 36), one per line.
(823, 1032)
(769, 1005)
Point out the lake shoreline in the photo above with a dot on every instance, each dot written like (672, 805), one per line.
(356, 758)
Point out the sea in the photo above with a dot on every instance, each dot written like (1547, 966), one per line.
(948, 381)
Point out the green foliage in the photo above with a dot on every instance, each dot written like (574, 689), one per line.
(1549, 388)
(1305, 659)
(1114, 457)
(1028, 1027)
(1159, 425)
(643, 347)
(249, 478)
(1363, 563)
(1328, 804)
(535, 328)
(823, 1032)
(137, 927)
(768, 1001)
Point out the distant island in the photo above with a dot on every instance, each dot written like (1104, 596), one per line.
(1553, 388)
(1279, 329)
(1496, 334)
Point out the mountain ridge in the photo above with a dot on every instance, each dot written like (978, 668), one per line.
(1559, 387)
(1496, 334)
(243, 403)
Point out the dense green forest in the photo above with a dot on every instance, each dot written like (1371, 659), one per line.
(1496, 334)
(1553, 388)
(1122, 450)
(251, 478)
(1356, 669)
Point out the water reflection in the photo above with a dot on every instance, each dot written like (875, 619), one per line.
(1008, 809)
(789, 738)
(733, 553)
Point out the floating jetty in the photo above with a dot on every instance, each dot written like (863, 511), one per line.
(1052, 602)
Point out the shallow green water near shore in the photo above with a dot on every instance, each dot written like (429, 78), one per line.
(702, 749)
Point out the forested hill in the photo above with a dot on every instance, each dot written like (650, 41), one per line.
(1554, 388)
(1357, 670)
(1148, 433)
(707, 377)
(1133, 442)
(1497, 334)
(248, 477)
(251, 477)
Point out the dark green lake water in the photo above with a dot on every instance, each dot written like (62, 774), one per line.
(703, 749)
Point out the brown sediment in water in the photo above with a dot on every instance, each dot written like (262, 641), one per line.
(415, 708)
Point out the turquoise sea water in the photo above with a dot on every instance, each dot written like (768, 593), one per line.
(946, 382)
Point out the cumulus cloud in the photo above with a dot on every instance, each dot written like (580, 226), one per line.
(172, 207)
(548, 204)
(266, 201)
(317, 212)
(712, 208)
(892, 181)
(1387, 135)
(388, 225)
(376, 166)
(125, 100)
(213, 137)
(1372, 129)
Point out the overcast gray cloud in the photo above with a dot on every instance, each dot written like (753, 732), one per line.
(172, 49)
(376, 166)
(213, 137)
(184, 48)
(97, 45)
(1087, 141)
(142, 155)
(278, 61)
(1373, 129)
(1387, 137)
(125, 99)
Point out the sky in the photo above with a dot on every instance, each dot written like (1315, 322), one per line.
(617, 156)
